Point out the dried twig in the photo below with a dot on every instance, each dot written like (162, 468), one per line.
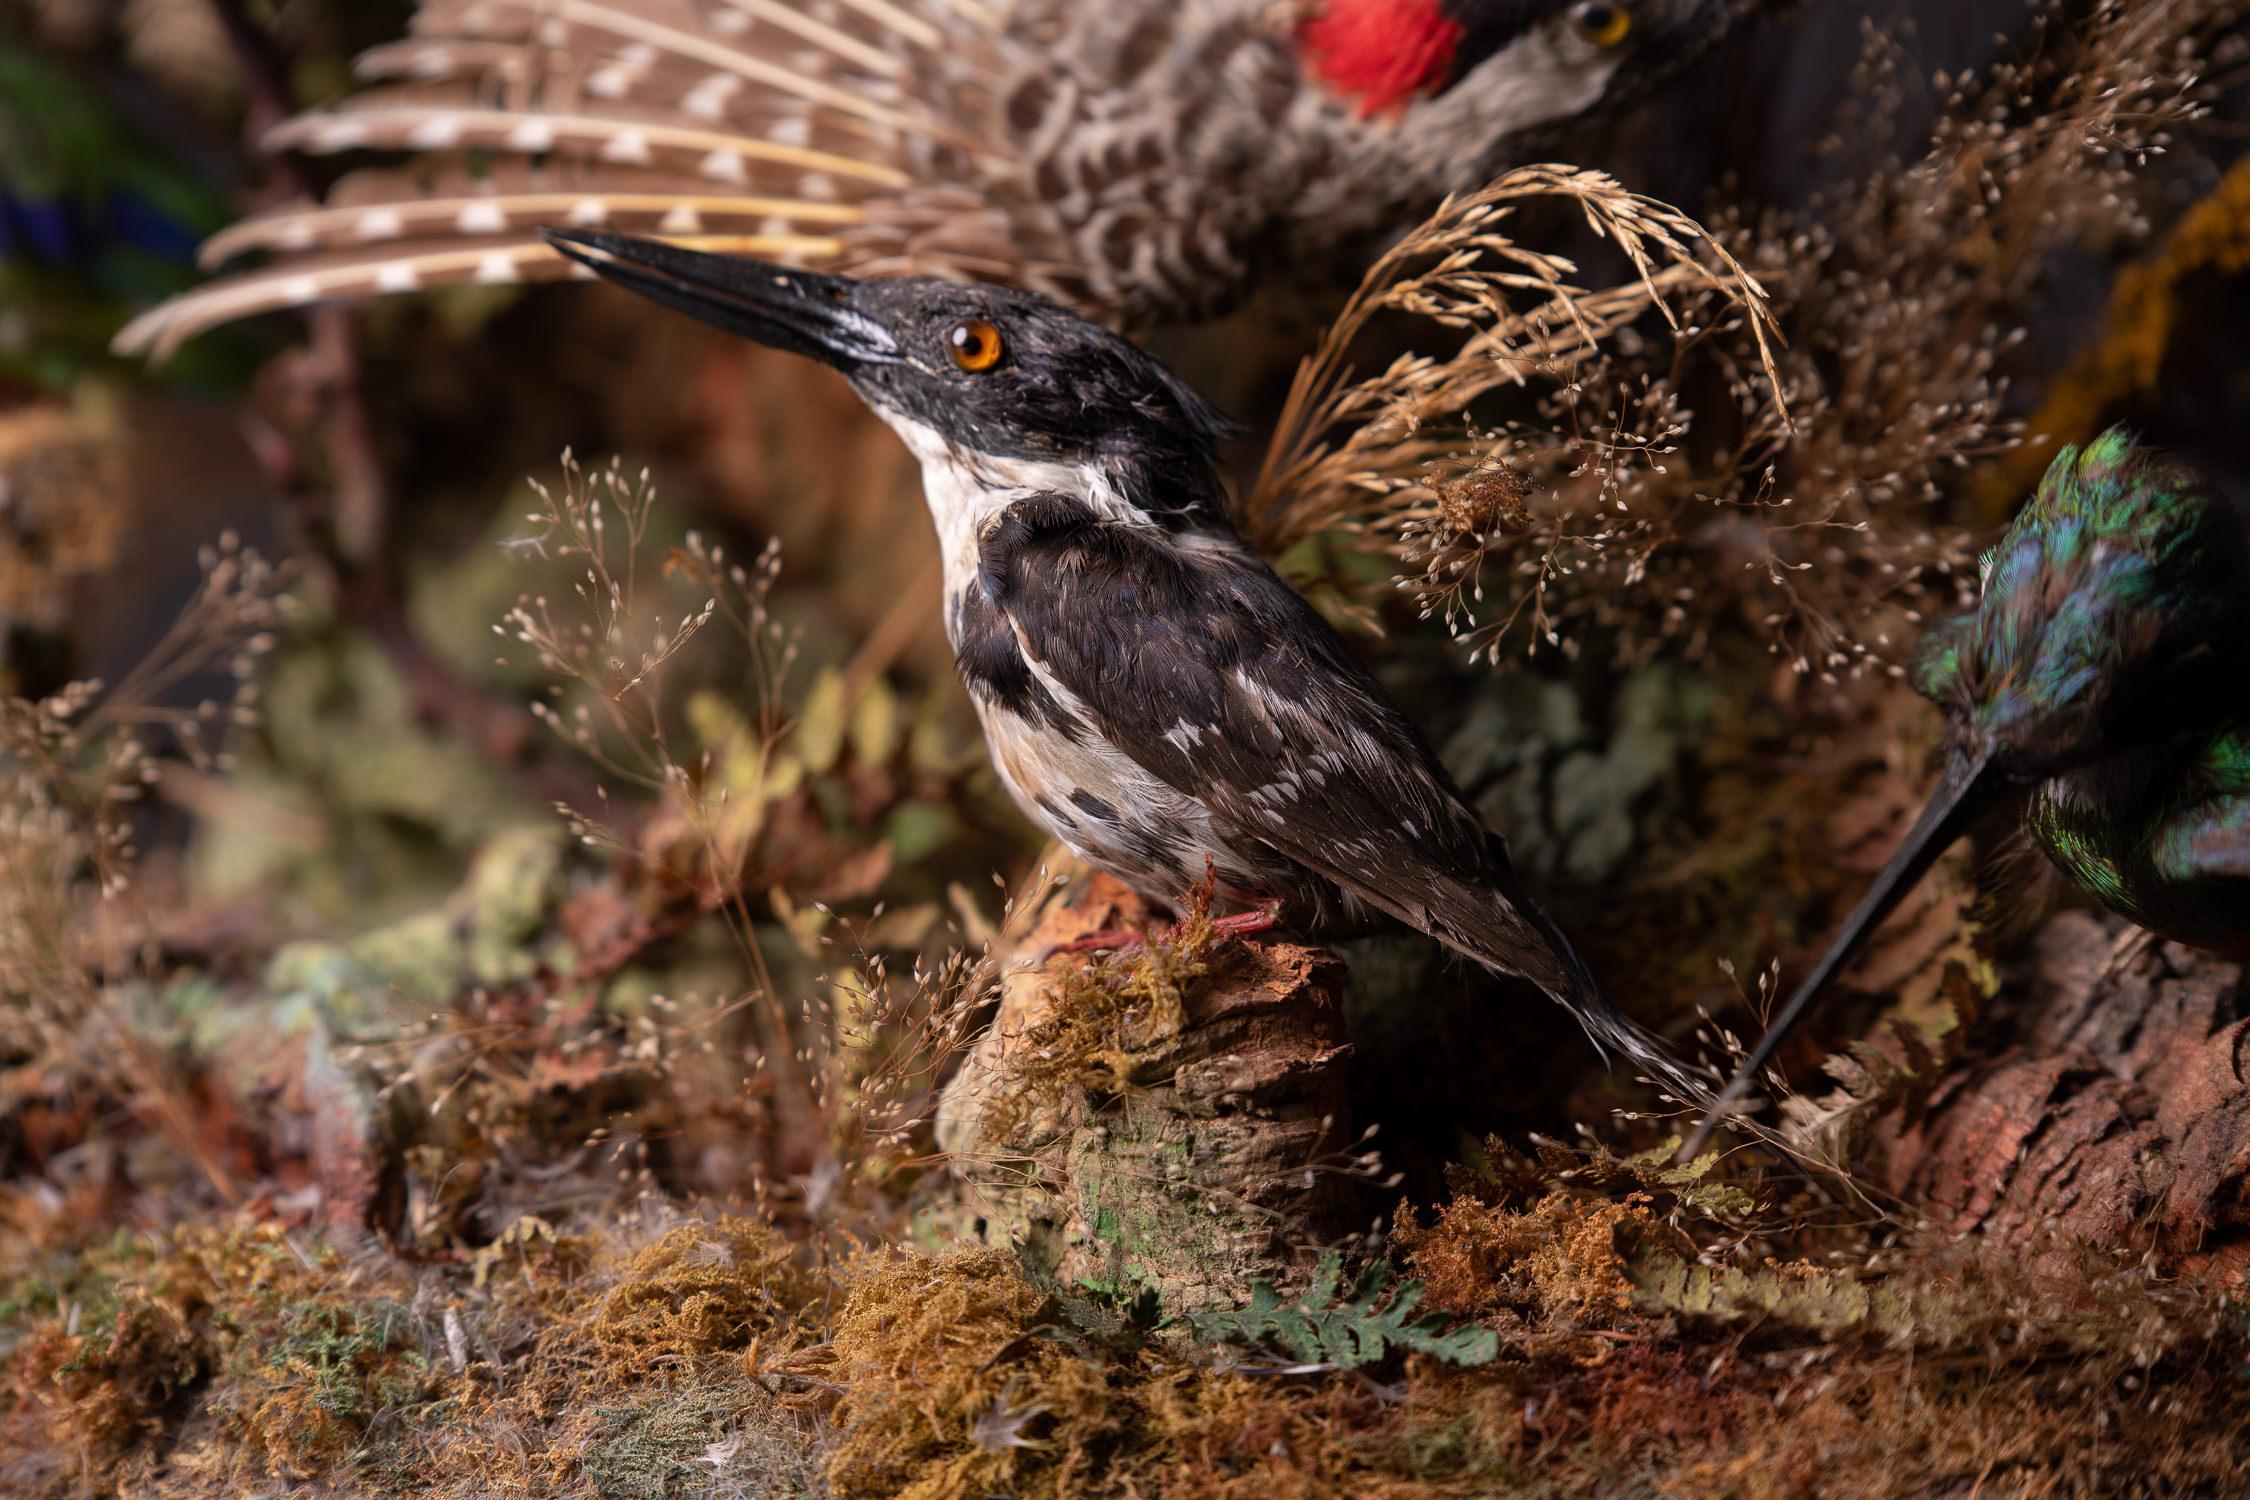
(74, 770)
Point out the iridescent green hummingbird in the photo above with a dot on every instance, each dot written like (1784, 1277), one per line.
(2101, 683)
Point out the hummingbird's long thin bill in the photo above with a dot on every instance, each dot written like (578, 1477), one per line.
(802, 312)
(1970, 787)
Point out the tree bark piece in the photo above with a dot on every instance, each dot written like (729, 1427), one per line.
(2121, 1114)
(1192, 1153)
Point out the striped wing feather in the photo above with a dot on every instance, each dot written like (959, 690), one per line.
(748, 126)
(980, 139)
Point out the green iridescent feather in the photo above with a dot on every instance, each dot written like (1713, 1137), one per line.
(2107, 665)
(2102, 682)
(2123, 565)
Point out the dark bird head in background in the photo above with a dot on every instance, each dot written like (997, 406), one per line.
(1514, 64)
(1001, 379)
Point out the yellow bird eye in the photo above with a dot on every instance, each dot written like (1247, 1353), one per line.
(1603, 24)
(975, 345)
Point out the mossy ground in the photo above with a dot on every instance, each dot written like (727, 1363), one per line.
(652, 1354)
(553, 1314)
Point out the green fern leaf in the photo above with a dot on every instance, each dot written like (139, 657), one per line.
(1376, 1319)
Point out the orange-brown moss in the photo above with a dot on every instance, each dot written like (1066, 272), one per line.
(212, 1361)
(1438, 1436)
(125, 1378)
(950, 1392)
(306, 1400)
(961, 1380)
(1106, 1013)
(1560, 1256)
(701, 1289)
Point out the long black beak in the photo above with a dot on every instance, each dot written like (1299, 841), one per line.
(1970, 787)
(802, 312)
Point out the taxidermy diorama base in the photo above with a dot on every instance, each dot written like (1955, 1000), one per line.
(1175, 1122)
(1168, 1121)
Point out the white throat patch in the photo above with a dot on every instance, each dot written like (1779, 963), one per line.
(965, 491)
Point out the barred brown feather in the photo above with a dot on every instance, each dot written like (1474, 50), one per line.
(1140, 160)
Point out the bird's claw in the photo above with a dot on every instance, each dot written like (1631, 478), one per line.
(1110, 940)
(1241, 926)
(1248, 924)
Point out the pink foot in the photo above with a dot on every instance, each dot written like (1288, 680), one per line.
(1241, 925)
(1248, 924)
(1113, 940)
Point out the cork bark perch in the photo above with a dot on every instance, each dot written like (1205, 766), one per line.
(1178, 1151)
(2118, 1116)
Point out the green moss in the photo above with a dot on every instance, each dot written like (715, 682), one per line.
(1152, 1224)
(311, 1397)
(421, 960)
(704, 1440)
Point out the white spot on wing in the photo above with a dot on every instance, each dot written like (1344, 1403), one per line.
(435, 133)
(708, 99)
(339, 135)
(628, 146)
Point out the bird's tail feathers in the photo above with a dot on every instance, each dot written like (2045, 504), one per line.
(1617, 1035)
(757, 127)
(1494, 923)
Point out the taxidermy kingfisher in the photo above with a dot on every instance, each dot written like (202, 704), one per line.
(1138, 160)
(2102, 684)
(1153, 694)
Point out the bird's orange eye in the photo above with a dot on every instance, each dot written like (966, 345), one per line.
(1605, 25)
(975, 345)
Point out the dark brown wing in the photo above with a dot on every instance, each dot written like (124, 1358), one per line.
(1199, 663)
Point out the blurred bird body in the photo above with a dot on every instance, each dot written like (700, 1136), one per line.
(2161, 836)
(2105, 668)
(1140, 160)
(1154, 695)
(2102, 683)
